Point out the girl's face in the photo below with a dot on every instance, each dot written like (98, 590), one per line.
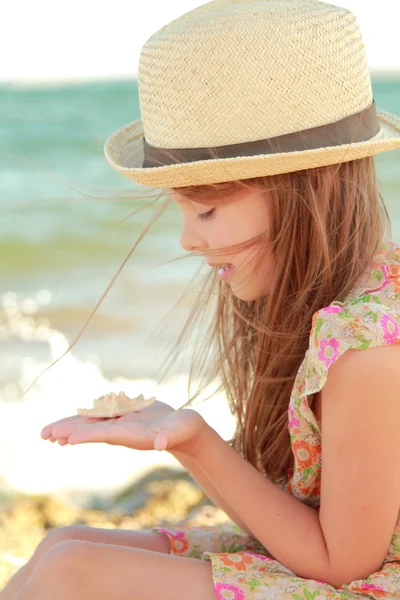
(210, 227)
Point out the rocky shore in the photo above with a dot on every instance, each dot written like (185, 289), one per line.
(163, 497)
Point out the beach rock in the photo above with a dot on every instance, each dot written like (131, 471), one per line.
(162, 497)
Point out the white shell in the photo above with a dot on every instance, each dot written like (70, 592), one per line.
(115, 405)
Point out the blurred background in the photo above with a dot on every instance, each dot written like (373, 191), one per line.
(67, 81)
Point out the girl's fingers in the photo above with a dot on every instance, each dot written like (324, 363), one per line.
(64, 428)
(142, 431)
(46, 432)
(161, 441)
(62, 441)
(115, 432)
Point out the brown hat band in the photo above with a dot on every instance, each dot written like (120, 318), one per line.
(358, 127)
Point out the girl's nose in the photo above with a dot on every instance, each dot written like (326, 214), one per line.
(191, 242)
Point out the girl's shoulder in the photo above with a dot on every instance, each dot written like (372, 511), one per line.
(369, 317)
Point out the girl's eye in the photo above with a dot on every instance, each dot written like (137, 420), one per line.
(206, 215)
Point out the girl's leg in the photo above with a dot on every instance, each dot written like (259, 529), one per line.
(82, 570)
(148, 540)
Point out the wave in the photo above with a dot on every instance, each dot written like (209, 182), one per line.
(31, 465)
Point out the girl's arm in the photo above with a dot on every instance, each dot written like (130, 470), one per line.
(360, 485)
(208, 487)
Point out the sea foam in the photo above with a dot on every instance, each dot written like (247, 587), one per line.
(32, 465)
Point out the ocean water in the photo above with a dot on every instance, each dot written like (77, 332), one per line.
(64, 230)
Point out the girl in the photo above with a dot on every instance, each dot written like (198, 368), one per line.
(258, 120)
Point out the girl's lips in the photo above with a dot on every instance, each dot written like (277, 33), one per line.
(225, 274)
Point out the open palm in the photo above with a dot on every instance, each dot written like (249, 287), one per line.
(158, 426)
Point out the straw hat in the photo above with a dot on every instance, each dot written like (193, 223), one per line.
(227, 87)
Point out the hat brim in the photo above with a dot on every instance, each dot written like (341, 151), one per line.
(123, 150)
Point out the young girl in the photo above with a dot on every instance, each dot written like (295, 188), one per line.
(258, 120)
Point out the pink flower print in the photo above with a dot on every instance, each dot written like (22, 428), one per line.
(227, 591)
(178, 535)
(329, 351)
(378, 592)
(371, 586)
(293, 421)
(390, 329)
(179, 543)
(331, 310)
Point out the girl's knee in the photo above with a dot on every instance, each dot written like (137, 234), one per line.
(66, 555)
(60, 535)
(60, 568)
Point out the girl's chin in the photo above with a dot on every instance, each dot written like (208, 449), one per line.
(247, 295)
(251, 288)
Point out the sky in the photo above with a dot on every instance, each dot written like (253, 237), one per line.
(47, 41)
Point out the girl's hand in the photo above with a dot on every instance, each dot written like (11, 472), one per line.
(157, 427)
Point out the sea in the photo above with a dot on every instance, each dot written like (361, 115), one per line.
(67, 223)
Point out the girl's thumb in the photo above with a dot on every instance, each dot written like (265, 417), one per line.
(160, 441)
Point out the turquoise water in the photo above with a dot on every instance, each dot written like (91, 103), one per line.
(52, 139)
(53, 236)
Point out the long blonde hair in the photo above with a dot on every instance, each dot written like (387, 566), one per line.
(326, 224)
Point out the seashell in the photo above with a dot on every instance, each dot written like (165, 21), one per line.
(115, 405)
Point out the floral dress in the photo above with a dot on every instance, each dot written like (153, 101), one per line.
(242, 568)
